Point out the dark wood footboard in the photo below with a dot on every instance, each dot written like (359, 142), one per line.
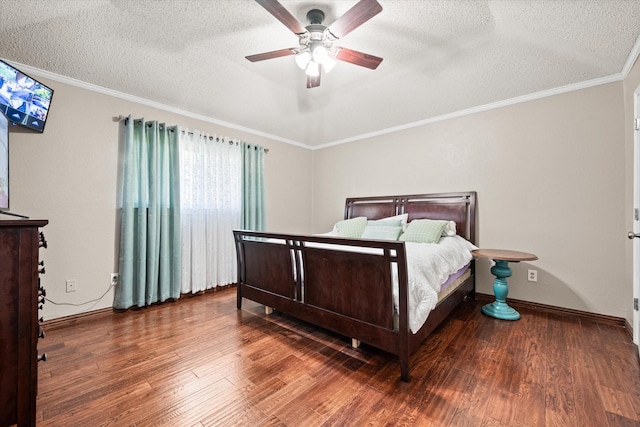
(326, 282)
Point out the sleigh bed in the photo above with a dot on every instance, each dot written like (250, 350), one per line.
(356, 287)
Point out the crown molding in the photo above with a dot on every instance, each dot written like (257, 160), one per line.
(631, 59)
(486, 107)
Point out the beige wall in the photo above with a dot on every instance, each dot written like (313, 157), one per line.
(69, 175)
(550, 176)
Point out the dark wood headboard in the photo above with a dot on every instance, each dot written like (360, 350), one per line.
(459, 207)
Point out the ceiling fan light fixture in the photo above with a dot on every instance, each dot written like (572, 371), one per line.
(313, 69)
(320, 54)
(302, 59)
(328, 64)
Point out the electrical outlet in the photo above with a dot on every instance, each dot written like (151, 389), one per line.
(532, 275)
(114, 279)
(71, 285)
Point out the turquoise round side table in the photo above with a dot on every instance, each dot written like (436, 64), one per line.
(499, 308)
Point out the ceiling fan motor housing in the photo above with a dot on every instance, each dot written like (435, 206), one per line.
(318, 34)
(315, 16)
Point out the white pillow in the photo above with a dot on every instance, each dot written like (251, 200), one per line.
(402, 217)
(450, 229)
(385, 223)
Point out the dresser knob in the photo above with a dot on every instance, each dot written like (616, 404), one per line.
(42, 357)
(41, 319)
(42, 291)
(41, 271)
(41, 334)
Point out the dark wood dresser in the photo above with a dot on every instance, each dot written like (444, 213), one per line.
(21, 297)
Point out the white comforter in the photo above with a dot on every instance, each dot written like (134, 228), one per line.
(429, 265)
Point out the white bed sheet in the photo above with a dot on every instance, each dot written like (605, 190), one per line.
(429, 265)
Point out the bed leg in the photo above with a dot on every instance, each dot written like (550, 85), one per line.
(355, 343)
(268, 310)
(404, 371)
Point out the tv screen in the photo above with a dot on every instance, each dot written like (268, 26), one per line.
(4, 162)
(23, 100)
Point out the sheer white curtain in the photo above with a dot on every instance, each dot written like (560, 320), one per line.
(211, 203)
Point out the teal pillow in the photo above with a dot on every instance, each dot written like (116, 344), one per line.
(382, 232)
(351, 227)
(385, 223)
(424, 231)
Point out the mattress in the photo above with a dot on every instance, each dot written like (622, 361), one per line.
(447, 288)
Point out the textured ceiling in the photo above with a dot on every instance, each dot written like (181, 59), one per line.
(440, 57)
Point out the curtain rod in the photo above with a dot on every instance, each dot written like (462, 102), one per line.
(121, 118)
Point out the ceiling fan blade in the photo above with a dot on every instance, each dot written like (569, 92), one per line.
(271, 55)
(358, 58)
(354, 17)
(283, 15)
(313, 81)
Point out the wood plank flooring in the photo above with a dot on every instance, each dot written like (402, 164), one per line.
(201, 362)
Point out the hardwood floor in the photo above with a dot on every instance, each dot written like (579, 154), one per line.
(201, 362)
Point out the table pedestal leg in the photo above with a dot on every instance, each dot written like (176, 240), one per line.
(499, 308)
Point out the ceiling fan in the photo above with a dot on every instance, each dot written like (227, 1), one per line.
(316, 50)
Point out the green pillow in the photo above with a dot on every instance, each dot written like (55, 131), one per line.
(385, 223)
(382, 232)
(351, 227)
(424, 231)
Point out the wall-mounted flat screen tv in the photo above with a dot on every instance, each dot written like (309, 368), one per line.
(24, 100)
(4, 162)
